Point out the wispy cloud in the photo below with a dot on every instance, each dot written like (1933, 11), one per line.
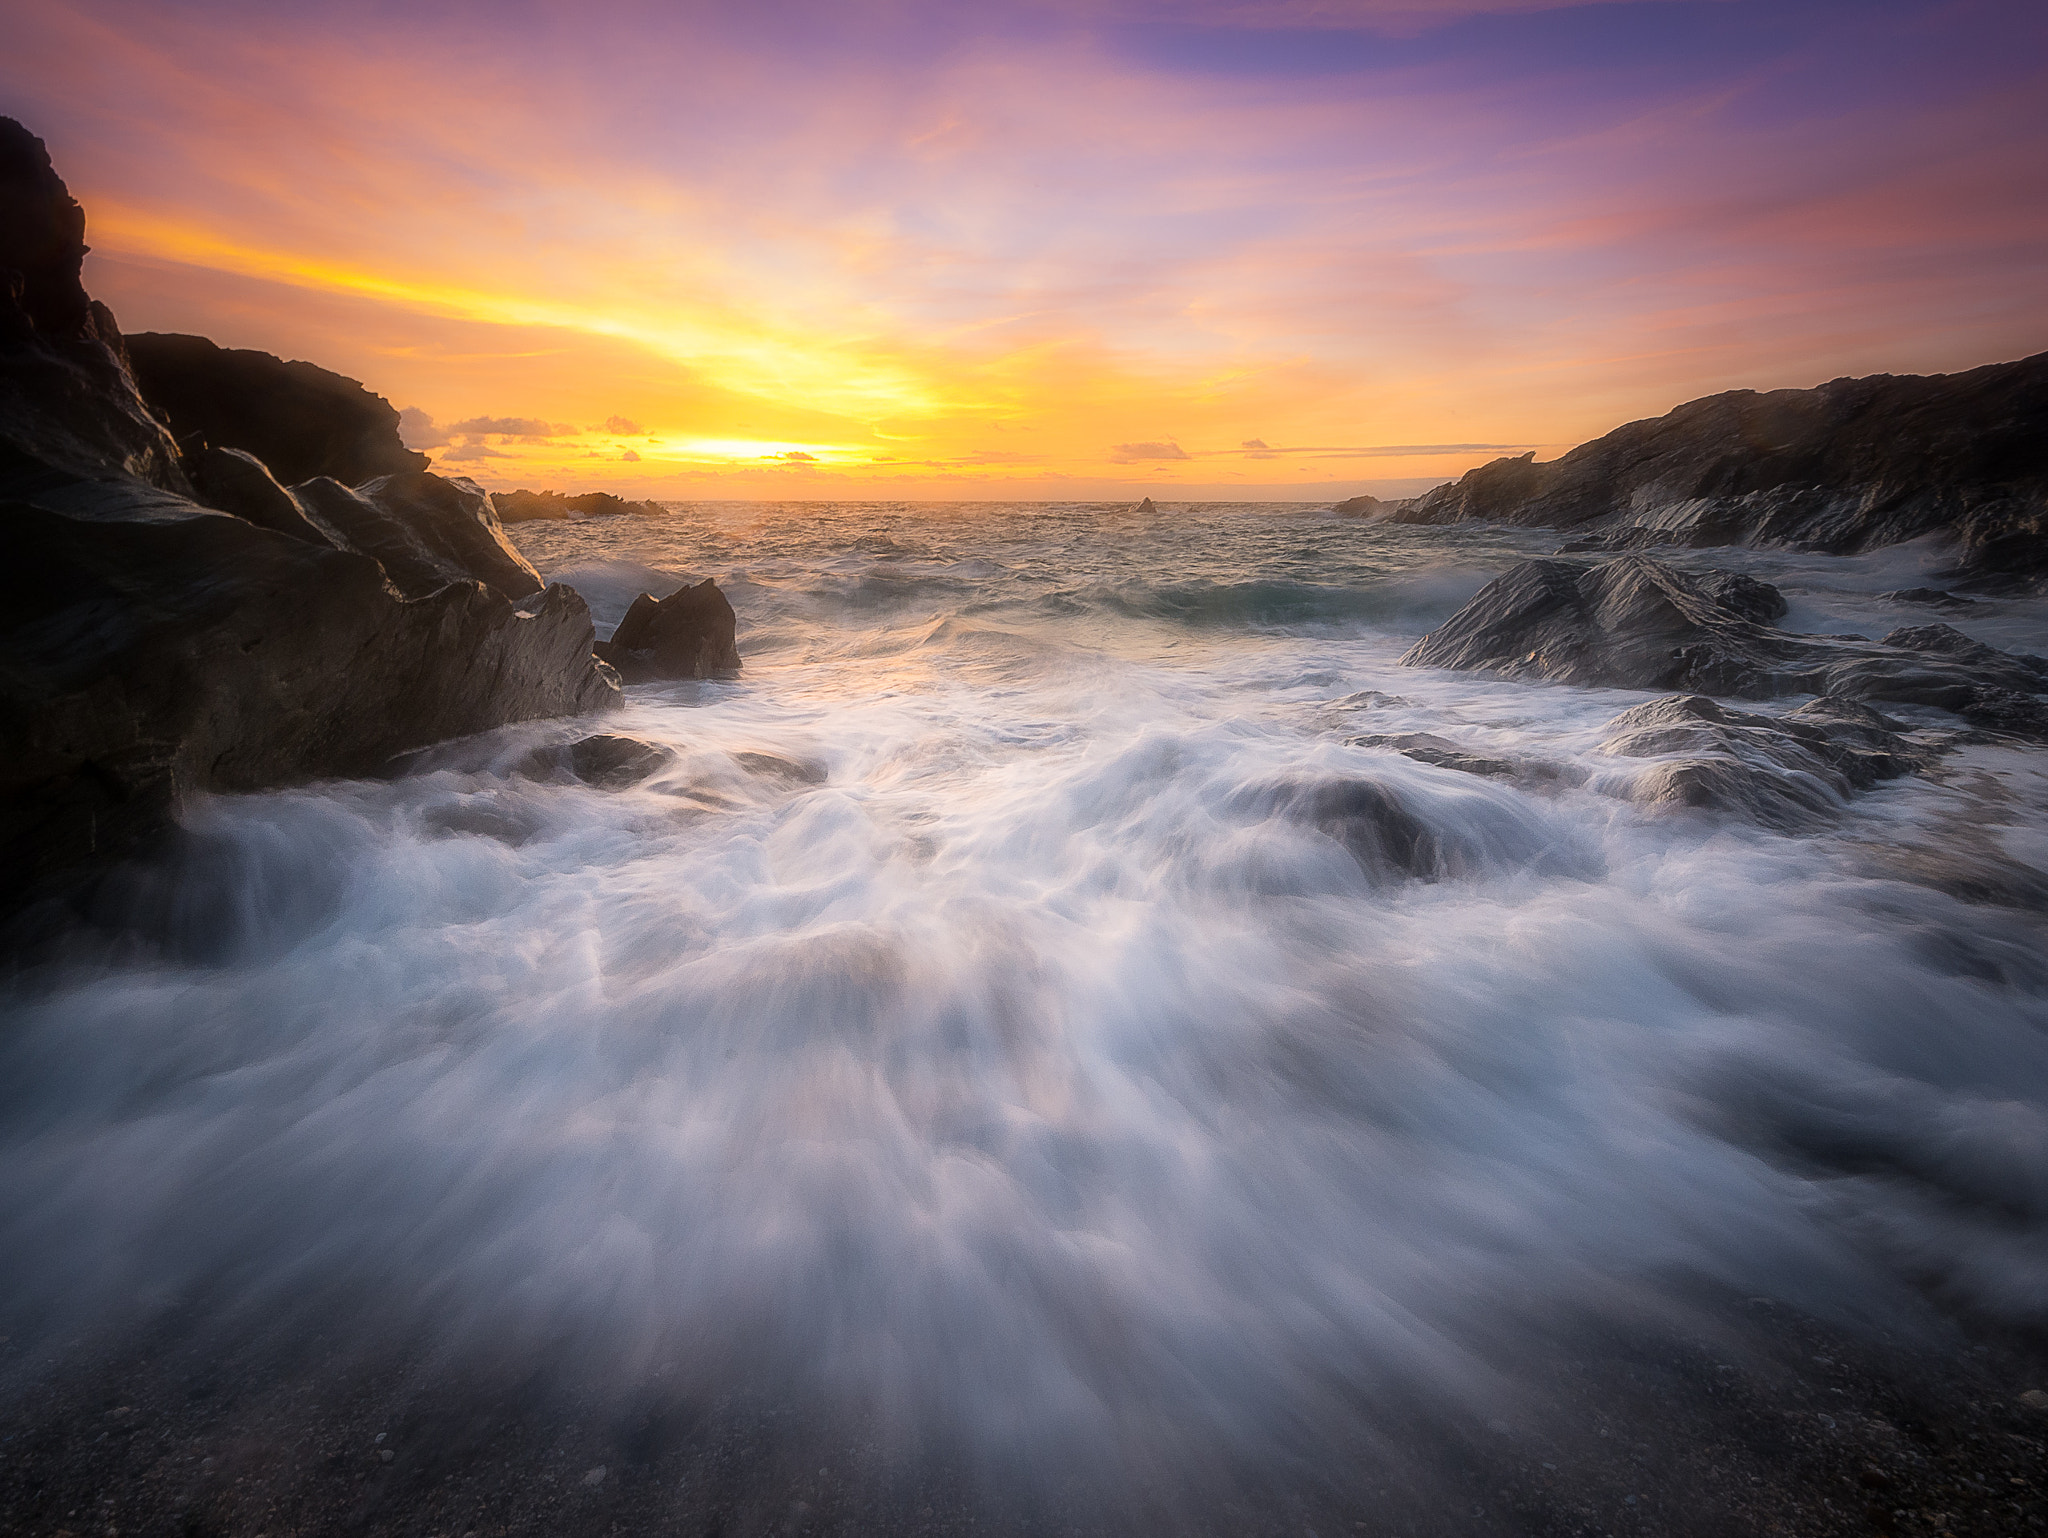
(928, 229)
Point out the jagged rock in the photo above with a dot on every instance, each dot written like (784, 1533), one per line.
(1853, 465)
(300, 420)
(155, 648)
(779, 766)
(66, 399)
(526, 506)
(1633, 623)
(1756, 601)
(1933, 597)
(166, 649)
(425, 531)
(235, 481)
(1786, 772)
(608, 760)
(1427, 748)
(1636, 623)
(692, 633)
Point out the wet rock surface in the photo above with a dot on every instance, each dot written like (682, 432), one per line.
(67, 401)
(160, 648)
(425, 530)
(1637, 623)
(692, 633)
(1786, 772)
(1853, 465)
(607, 760)
(300, 420)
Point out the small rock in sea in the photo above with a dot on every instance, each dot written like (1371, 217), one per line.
(385, 1455)
(594, 1477)
(2035, 1399)
(607, 761)
(1929, 595)
(775, 765)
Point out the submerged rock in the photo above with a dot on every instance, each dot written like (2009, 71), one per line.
(1636, 623)
(300, 420)
(1932, 597)
(1427, 748)
(692, 633)
(1853, 465)
(1784, 772)
(608, 760)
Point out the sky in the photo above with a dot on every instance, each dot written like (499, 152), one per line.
(1051, 248)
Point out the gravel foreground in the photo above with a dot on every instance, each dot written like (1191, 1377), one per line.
(1755, 1421)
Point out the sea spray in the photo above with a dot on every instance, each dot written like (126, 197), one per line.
(1019, 1021)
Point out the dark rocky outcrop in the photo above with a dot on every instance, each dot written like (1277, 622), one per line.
(155, 648)
(66, 399)
(424, 530)
(1637, 623)
(300, 420)
(1786, 772)
(526, 506)
(166, 649)
(692, 633)
(1853, 465)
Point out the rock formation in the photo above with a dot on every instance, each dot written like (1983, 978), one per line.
(608, 761)
(689, 634)
(300, 420)
(66, 398)
(1637, 623)
(157, 647)
(1787, 772)
(1853, 465)
(1363, 507)
(524, 506)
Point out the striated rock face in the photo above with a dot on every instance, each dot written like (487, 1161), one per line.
(1636, 623)
(692, 633)
(1853, 465)
(166, 649)
(155, 648)
(1787, 772)
(300, 420)
(424, 530)
(66, 399)
(525, 506)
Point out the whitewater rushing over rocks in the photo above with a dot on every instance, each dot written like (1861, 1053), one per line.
(1019, 1030)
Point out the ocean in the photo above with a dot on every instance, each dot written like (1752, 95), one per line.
(984, 1045)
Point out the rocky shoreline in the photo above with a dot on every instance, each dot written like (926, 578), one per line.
(242, 579)
(197, 624)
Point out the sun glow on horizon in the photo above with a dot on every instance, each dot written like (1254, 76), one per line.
(922, 249)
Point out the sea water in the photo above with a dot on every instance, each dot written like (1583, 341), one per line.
(969, 1035)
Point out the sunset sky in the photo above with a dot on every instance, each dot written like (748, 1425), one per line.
(904, 248)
